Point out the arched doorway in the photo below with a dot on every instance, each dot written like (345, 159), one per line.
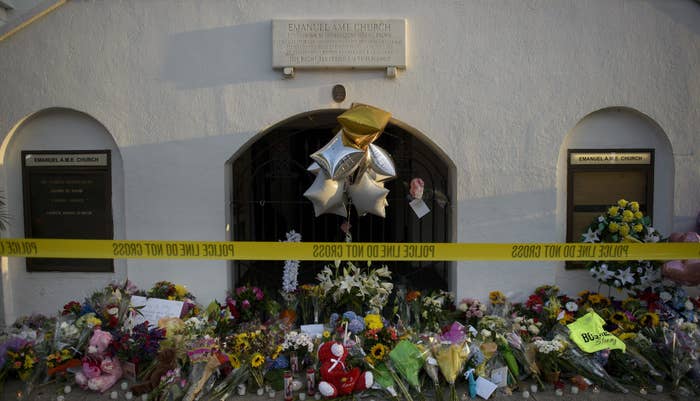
(268, 178)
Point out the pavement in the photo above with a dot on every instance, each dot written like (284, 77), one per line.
(14, 391)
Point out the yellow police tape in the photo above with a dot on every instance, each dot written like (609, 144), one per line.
(122, 249)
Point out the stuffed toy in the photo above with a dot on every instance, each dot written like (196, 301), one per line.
(165, 361)
(99, 370)
(337, 379)
(685, 272)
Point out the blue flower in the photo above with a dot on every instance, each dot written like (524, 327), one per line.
(334, 319)
(356, 326)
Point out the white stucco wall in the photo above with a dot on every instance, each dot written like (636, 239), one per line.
(496, 85)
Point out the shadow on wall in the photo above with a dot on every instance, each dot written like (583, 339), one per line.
(680, 11)
(510, 217)
(220, 56)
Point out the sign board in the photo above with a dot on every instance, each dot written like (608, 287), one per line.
(67, 195)
(611, 158)
(339, 43)
(154, 309)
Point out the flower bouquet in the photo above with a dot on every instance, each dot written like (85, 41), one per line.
(297, 345)
(436, 309)
(354, 288)
(451, 358)
(576, 361)
(548, 357)
(472, 310)
(525, 354)
(408, 360)
(623, 222)
(247, 301)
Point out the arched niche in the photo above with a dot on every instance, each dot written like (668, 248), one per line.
(618, 128)
(55, 129)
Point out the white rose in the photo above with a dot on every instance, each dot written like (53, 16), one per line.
(688, 305)
(462, 307)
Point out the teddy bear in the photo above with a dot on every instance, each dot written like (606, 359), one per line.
(685, 272)
(336, 378)
(99, 370)
(165, 361)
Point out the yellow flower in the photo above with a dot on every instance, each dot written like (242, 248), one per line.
(257, 360)
(622, 203)
(277, 352)
(378, 351)
(28, 361)
(624, 230)
(234, 361)
(497, 297)
(638, 215)
(627, 216)
(369, 360)
(634, 206)
(618, 318)
(649, 319)
(373, 322)
(180, 290)
(326, 334)
(638, 228)
(613, 211)
(171, 298)
(614, 227)
(627, 336)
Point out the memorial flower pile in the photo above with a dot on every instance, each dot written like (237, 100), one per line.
(405, 338)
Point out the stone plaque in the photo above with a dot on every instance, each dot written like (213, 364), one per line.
(372, 43)
(67, 195)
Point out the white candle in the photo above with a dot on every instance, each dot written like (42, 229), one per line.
(60, 398)
(125, 385)
(114, 395)
(526, 394)
(129, 395)
(533, 388)
(144, 397)
(67, 389)
(559, 392)
(659, 388)
(317, 396)
(271, 393)
(302, 396)
(261, 391)
(574, 390)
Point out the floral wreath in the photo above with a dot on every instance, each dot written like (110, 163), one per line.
(624, 222)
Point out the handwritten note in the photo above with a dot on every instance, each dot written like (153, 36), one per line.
(155, 309)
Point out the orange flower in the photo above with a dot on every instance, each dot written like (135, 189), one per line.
(412, 296)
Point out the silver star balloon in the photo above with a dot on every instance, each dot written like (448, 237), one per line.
(338, 160)
(325, 194)
(381, 163)
(368, 196)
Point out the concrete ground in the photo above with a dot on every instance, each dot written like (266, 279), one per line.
(52, 391)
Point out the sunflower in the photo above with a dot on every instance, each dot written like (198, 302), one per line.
(242, 344)
(619, 318)
(649, 319)
(369, 360)
(234, 361)
(378, 351)
(257, 360)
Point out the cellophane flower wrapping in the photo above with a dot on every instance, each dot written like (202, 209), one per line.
(408, 361)
(451, 358)
(574, 360)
